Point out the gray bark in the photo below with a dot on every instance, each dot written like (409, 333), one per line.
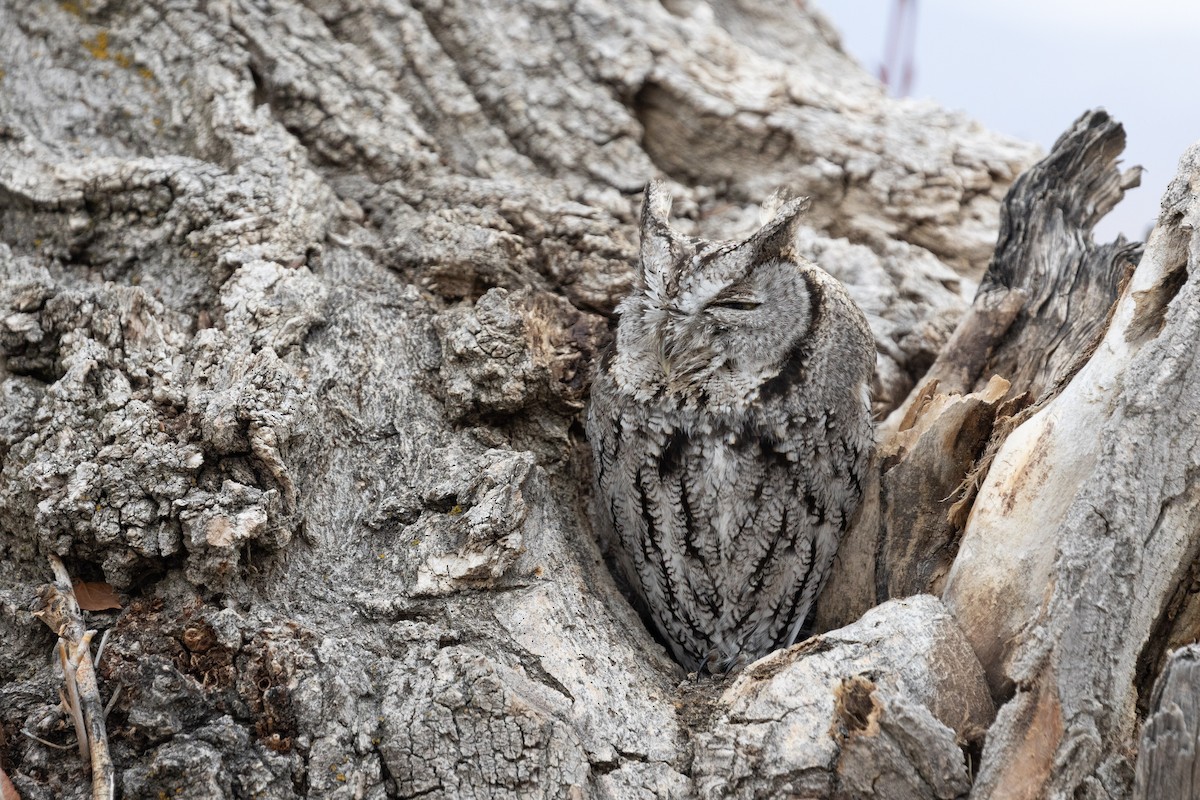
(1048, 289)
(1168, 767)
(901, 692)
(298, 304)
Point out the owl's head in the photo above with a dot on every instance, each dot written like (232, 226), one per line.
(708, 323)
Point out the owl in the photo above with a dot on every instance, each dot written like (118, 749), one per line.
(731, 432)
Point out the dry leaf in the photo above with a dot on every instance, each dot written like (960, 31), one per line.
(95, 596)
(7, 790)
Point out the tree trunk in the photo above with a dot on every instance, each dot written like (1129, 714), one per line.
(298, 305)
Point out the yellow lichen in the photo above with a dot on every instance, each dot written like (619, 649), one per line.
(98, 47)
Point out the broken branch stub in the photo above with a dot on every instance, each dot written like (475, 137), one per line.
(1043, 301)
(1049, 286)
(1078, 553)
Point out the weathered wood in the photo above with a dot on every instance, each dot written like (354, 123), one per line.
(1045, 297)
(888, 701)
(1168, 765)
(1048, 288)
(1080, 544)
(924, 468)
(1045, 254)
(59, 610)
(905, 538)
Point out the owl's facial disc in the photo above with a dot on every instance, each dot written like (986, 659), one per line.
(712, 319)
(723, 340)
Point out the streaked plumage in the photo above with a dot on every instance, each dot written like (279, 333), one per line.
(731, 433)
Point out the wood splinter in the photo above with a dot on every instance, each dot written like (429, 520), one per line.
(57, 607)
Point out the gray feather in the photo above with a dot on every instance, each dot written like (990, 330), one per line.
(731, 435)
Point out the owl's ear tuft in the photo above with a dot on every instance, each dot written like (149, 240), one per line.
(776, 239)
(657, 236)
(656, 205)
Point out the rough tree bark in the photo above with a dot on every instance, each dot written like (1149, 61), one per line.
(297, 308)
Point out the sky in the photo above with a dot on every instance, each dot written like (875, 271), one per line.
(1028, 68)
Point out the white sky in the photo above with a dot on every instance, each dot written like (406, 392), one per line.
(1030, 67)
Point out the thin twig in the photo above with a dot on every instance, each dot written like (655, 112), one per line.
(73, 706)
(112, 701)
(59, 609)
(100, 649)
(40, 740)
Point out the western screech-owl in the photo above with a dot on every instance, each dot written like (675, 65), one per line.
(731, 431)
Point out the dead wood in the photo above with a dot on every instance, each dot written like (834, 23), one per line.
(1042, 302)
(1170, 741)
(1077, 557)
(1047, 291)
